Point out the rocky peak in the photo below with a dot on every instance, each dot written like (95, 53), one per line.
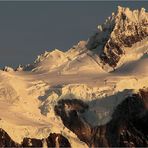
(121, 30)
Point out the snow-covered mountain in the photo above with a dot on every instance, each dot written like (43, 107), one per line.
(94, 94)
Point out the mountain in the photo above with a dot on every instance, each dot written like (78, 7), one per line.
(93, 95)
(119, 33)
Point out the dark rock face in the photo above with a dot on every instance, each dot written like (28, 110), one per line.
(62, 141)
(53, 140)
(128, 127)
(6, 141)
(32, 142)
(123, 130)
(69, 111)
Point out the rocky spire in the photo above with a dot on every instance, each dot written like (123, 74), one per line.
(121, 30)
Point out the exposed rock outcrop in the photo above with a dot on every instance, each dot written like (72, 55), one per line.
(6, 141)
(121, 30)
(69, 111)
(127, 128)
(53, 140)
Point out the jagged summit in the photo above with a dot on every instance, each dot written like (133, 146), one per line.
(123, 29)
(109, 45)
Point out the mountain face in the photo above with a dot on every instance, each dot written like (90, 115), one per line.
(120, 31)
(93, 95)
(127, 128)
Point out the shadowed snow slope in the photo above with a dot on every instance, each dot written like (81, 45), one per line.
(84, 84)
